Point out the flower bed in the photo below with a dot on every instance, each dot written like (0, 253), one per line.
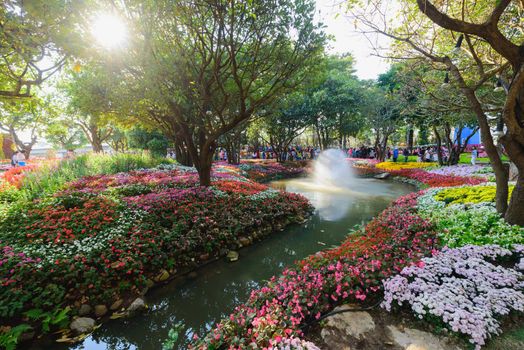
(398, 244)
(436, 180)
(106, 237)
(466, 289)
(472, 195)
(350, 273)
(394, 166)
(464, 170)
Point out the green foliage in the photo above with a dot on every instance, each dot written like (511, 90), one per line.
(477, 225)
(57, 317)
(172, 336)
(9, 339)
(153, 141)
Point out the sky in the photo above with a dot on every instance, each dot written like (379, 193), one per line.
(347, 39)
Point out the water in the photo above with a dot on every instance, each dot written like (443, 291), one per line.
(219, 287)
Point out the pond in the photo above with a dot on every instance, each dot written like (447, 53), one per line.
(214, 290)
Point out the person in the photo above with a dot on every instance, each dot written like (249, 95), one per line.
(406, 154)
(474, 155)
(395, 154)
(14, 159)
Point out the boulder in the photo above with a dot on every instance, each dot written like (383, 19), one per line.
(382, 176)
(100, 310)
(232, 256)
(414, 339)
(116, 305)
(84, 310)
(354, 323)
(82, 325)
(137, 305)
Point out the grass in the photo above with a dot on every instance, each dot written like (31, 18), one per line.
(51, 178)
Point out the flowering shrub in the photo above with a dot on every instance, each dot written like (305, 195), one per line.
(392, 166)
(350, 273)
(463, 195)
(465, 288)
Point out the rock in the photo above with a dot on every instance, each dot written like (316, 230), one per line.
(84, 310)
(244, 241)
(100, 310)
(162, 276)
(382, 176)
(414, 339)
(82, 325)
(354, 323)
(116, 305)
(137, 305)
(232, 256)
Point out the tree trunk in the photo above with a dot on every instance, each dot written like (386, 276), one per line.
(439, 146)
(501, 171)
(203, 166)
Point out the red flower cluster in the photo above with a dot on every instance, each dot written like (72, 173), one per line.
(15, 176)
(245, 188)
(59, 224)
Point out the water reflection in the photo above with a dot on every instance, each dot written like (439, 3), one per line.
(200, 302)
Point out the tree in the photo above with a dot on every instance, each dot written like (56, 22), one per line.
(382, 117)
(91, 103)
(151, 140)
(31, 115)
(214, 64)
(337, 102)
(65, 134)
(492, 45)
(285, 122)
(28, 51)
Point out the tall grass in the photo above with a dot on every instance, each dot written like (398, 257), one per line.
(52, 178)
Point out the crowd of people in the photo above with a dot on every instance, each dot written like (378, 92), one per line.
(422, 153)
(267, 152)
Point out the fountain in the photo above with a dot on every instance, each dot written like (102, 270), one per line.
(332, 170)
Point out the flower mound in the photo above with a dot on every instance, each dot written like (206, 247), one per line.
(105, 236)
(465, 288)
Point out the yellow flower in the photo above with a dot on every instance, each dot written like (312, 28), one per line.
(391, 166)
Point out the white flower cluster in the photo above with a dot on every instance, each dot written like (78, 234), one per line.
(87, 246)
(269, 193)
(463, 287)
